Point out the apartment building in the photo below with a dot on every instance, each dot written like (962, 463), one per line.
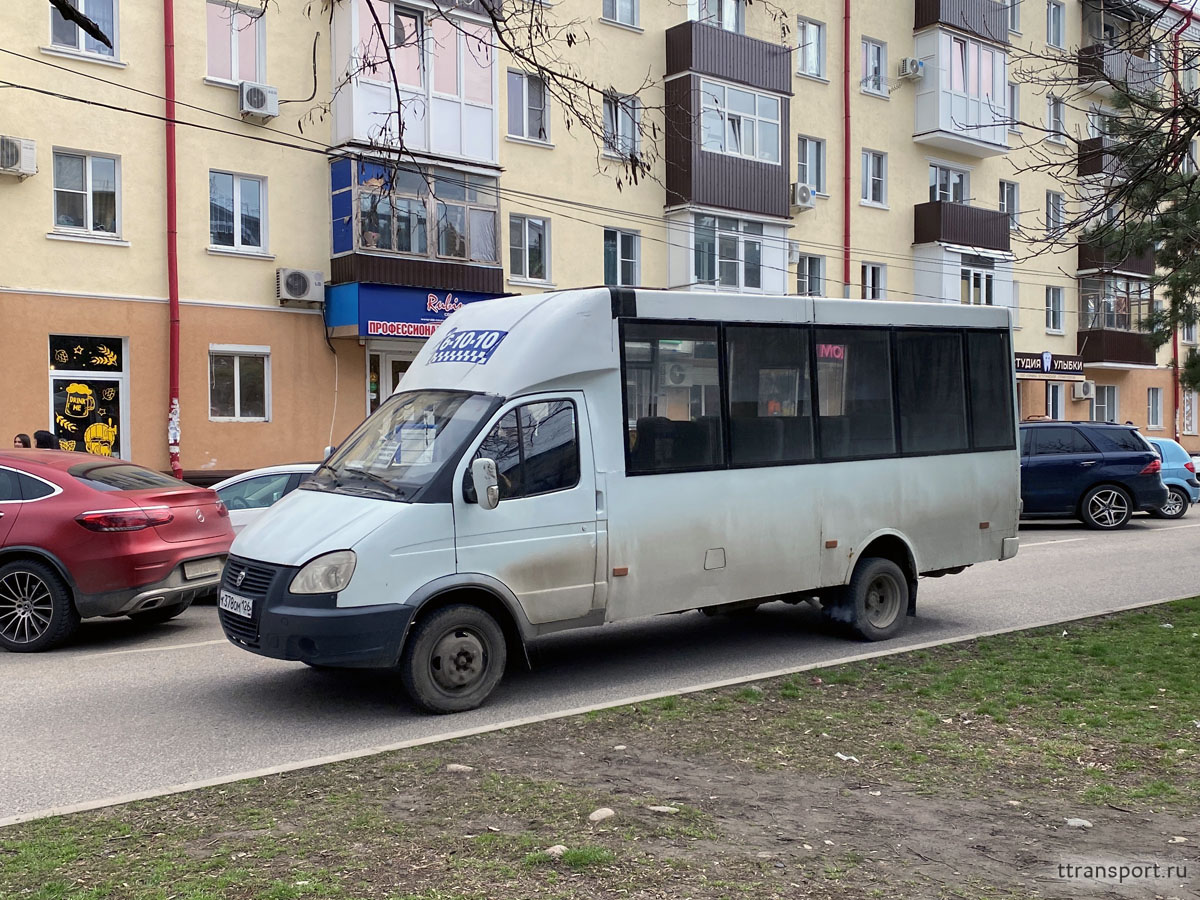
(790, 152)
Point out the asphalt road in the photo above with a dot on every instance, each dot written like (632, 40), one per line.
(131, 710)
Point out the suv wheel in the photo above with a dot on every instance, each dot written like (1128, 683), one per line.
(36, 611)
(1106, 507)
(1176, 505)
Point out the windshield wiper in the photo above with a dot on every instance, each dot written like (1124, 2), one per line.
(380, 480)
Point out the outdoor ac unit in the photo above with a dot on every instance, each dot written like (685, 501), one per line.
(793, 252)
(259, 100)
(802, 196)
(1084, 390)
(300, 287)
(911, 67)
(18, 156)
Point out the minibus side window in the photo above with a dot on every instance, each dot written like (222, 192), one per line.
(503, 444)
(770, 394)
(932, 390)
(854, 387)
(536, 449)
(991, 383)
(672, 398)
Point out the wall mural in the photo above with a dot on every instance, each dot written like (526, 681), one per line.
(87, 410)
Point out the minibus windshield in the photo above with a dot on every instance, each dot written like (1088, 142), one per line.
(400, 447)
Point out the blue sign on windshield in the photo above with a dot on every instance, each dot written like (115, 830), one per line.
(475, 346)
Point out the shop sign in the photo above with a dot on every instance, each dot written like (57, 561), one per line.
(387, 311)
(1049, 366)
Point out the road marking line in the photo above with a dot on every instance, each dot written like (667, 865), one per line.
(1055, 541)
(155, 649)
(561, 714)
(1174, 527)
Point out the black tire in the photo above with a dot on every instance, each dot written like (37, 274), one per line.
(1106, 507)
(875, 603)
(37, 611)
(160, 613)
(1176, 506)
(453, 659)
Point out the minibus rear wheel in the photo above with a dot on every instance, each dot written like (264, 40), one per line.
(453, 659)
(877, 599)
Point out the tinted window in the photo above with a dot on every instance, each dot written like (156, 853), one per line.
(854, 386)
(1060, 440)
(122, 477)
(536, 449)
(930, 381)
(770, 395)
(990, 382)
(255, 493)
(672, 397)
(1126, 439)
(1026, 441)
(10, 487)
(34, 488)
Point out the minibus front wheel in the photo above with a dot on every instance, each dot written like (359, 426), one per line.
(453, 659)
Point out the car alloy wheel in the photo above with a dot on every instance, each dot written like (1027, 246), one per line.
(1108, 508)
(26, 607)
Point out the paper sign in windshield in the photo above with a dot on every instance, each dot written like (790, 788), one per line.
(468, 346)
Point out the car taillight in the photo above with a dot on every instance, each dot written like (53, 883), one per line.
(222, 509)
(1152, 468)
(1190, 466)
(134, 519)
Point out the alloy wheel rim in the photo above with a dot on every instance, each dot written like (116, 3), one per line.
(26, 607)
(1173, 505)
(1109, 508)
(459, 660)
(882, 604)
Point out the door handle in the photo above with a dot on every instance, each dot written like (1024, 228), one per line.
(1089, 462)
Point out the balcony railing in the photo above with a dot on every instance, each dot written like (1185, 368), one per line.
(708, 50)
(1111, 345)
(958, 223)
(983, 18)
(1099, 156)
(1101, 63)
(1094, 257)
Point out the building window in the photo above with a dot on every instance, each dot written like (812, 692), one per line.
(1056, 219)
(1010, 201)
(87, 193)
(237, 211)
(727, 14)
(810, 163)
(1114, 303)
(623, 11)
(622, 257)
(1188, 333)
(1014, 106)
(621, 116)
(739, 122)
(1054, 309)
(874, 67)
(810, 276)
(1055, 399)
(811, 48)
(236, 43)
(1154, 407)
(872, 280)
(529, 248)
(1104, 406)
(69, 36)
(1055, 18)
(977, 286)
(874, 177)
(527, 107)
(1189, 412)
(1056, 129)
(396, 207)
(947, 185)
(239, 383)
(89, 387)
(728, 253)
(1014, 15)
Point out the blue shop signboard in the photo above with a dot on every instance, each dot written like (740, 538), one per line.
(381, 310)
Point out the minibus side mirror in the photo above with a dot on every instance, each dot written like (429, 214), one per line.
(328, 453)
(487, 484)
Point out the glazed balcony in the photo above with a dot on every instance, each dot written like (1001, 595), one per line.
(1103, 66)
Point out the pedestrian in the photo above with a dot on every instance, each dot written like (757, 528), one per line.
(22, 442)
(43, 440)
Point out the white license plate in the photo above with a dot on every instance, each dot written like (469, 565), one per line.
(198, 568)
(238, 605)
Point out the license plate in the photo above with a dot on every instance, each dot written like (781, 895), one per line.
(238, 605)
(198, 568)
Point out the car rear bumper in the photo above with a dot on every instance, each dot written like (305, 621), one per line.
(177, 587)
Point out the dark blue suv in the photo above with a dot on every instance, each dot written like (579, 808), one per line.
(1100, 474)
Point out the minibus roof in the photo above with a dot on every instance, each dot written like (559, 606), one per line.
(555, 341)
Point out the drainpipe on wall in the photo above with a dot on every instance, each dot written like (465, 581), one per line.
(846, 150)
(1175, 130)
(172, 239)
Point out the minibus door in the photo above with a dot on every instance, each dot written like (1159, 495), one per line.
(540, 540)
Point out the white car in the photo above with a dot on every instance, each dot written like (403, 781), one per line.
(248, 495)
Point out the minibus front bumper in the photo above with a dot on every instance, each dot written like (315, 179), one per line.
(307, 628)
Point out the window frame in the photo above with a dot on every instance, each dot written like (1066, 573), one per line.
(237, 351)
(525, 277)
(1014, 16)
(877, 282)
(635, 5)
(1054, 309)
(260, 45)
(625, 109)
(238, 247)
(805, 267)
(1154, 407)
(708, 104)
(869, 179)
(1111, 409)
(1014, 106)
(1056, 119)
(874, 47)
(720, 229)
(1056, 24)
(803, 25)
(620, 233)
(807, 148)
(1056, 390)
(720, 17)
(1012, 205)
(963, 175)
(525, 108)
(1056, 213)
(79, 48)
(88, 192)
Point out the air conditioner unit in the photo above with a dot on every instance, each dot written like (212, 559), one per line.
(911, 67)
(18, 156)
(1084, 390)
(259, 100)
(802, 196)
(793, 252)
(300, 287)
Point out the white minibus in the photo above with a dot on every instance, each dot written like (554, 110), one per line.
(567, 459)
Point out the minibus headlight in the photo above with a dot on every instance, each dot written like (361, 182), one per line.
(326, 574)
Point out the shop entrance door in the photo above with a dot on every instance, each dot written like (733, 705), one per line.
(385, 371)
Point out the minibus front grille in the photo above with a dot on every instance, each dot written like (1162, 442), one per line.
(249, 579)
(239, 628)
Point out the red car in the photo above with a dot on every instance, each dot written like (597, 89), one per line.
(84, 536)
